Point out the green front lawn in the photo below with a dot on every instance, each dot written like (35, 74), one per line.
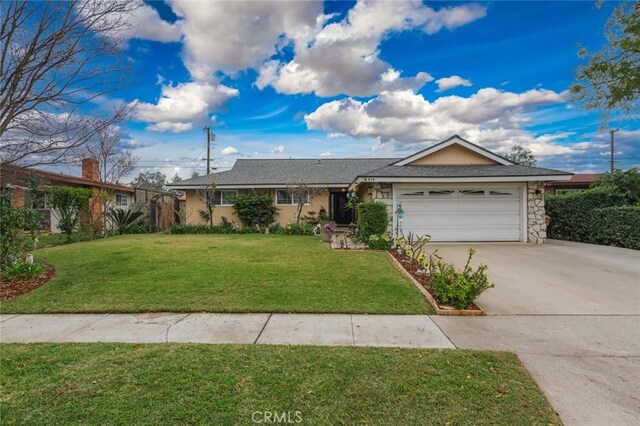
(227, 384)
(218, 273)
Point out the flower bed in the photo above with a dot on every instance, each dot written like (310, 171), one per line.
(423, 283)
(16, 287)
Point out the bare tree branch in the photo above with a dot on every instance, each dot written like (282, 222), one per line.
(57, 57)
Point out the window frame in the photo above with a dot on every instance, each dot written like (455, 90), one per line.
(219, 199)
(122, 196)
(293, 202)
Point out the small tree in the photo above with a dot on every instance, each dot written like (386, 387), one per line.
(255, 208)
(67, 204)
(207, 194)
(625, 183)
(15, 220)
(520, 155)
(301, 193)
(11, 226)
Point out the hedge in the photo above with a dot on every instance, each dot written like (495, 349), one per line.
(596, 216)
(228, 228)
(373, 219)
(569, 212)
(615, 226)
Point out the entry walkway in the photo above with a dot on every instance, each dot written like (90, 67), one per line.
(411, 331)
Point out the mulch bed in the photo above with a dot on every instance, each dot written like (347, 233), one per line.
(13, 288)
(425, 281)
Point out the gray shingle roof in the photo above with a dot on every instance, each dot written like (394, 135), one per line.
(497, 170)
(338, 171)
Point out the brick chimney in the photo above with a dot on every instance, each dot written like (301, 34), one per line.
(90, 169)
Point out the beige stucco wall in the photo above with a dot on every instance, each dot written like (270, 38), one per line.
(285, 215)
(452, 155)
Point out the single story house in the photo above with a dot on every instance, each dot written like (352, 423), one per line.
(578, 182)
(17, 180)
(161, 209)
(453, 191)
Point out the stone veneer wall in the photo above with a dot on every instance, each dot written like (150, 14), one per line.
(536, 226)
(383, 192)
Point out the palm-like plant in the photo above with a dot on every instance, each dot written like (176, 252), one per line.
(122, 219)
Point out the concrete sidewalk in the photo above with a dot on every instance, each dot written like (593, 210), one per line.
(588, 366)
(411, 331)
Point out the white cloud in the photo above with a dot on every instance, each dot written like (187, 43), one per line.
(231, 36)
(343, 57)
(280, 149)
(490, 117)
(181, 105)
(140, 20)
(146, 24)
(447, 83)
(168, 126)
(326, 155)
(229, 151)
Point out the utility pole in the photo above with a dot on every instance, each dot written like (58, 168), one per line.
(210, 137)
(613, 161)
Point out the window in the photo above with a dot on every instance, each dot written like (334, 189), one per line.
(224, 198)
(122, 200)
(502, 193)
(413, 194)
(472, 192)
(441, 192)
(285, 197)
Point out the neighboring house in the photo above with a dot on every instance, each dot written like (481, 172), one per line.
(17, 179)
(578, 182)
(453, 191)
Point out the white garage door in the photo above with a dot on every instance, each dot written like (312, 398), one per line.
(462, 213)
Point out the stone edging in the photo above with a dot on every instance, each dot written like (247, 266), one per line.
(432, 301)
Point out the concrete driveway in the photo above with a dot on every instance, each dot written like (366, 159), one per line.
(555, 278)
(572, 314)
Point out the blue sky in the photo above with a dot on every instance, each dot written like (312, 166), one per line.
(344, 79)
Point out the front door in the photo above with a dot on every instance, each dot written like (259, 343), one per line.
(340, 213)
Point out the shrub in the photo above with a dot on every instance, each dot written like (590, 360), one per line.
(379, 242)
(373, 219)
(189, 229)
(615, 226)
(122, 219)
(569, 212)
(625, 183)
(255, 209)
(293, 229)
(16, 270)
(138, 228)
(458, 288)
(68, 202)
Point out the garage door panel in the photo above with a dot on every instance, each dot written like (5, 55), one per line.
(457, 219)
(469, 214)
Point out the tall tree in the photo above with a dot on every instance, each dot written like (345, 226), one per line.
(150, 180)
(611, 79)
(520, 155)
(114, 162)
(56, 57)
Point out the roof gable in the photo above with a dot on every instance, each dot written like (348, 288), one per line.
(453, 151)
